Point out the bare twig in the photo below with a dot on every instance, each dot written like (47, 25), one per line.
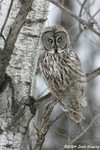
(53, 121)
(82, 6)
(44, 126)
(85, 24)
(88, 14)
(69, 11)
(86, 129)
(93, 74)
(80, 13)
(92, 17)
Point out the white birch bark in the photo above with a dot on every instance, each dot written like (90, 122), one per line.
(22, 70)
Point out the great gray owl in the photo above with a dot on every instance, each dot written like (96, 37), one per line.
(62, 71)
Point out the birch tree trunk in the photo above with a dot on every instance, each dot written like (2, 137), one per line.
(16, 130)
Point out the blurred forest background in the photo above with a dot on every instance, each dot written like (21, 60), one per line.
(87, 46)
(63, 133)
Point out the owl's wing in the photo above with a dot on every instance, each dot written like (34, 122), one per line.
(81, 77)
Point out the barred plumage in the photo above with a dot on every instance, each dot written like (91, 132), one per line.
(62, 71)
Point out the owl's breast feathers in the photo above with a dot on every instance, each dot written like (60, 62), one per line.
(63, 70)
(63, 74)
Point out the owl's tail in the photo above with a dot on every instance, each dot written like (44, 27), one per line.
(74, 112)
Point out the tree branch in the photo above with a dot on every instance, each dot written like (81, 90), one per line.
(44, 125)
(93, 74)
(80, 13)
(43, 100)
(86, 25)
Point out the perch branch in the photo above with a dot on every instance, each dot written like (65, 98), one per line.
(43, 100)
(86, 25)
(93, 74)
(44, 125)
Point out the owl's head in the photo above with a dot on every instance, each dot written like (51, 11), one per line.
(55, 39)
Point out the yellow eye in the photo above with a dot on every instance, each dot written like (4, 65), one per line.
(50, 40)
(59, 39)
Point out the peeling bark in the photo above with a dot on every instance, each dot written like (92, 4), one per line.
(17, 129)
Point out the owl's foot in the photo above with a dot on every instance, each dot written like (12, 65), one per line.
(75, 117)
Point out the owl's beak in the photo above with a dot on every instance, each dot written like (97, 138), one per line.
(56, 48)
